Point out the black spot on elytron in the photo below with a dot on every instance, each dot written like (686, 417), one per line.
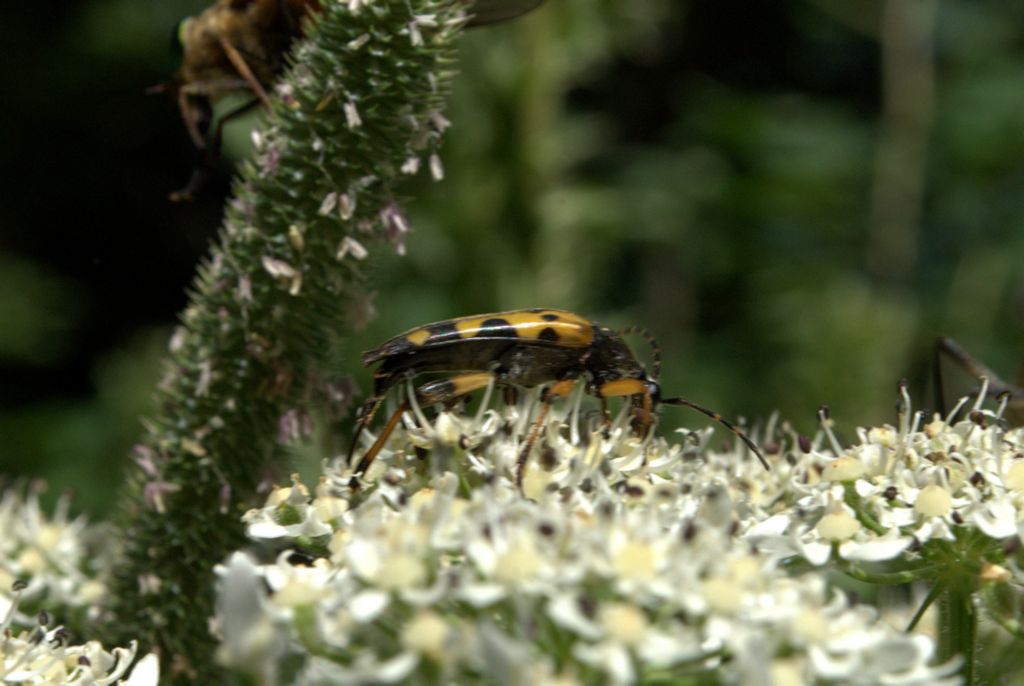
(441, 332)
(548, 334)
(549, 317)
(497, 328)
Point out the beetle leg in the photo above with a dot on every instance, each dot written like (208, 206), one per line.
(444, 390)
(631, 387)
(430, 393)
(239, 63)
(557, 390)
(363, 419)
(370, 455)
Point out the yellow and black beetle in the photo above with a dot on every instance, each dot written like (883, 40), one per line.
(517, 348)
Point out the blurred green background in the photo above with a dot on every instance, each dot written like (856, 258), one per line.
(795, 196)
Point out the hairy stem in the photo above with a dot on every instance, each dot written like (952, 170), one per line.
(255, 345)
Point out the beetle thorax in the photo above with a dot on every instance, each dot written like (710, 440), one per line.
(610, 358)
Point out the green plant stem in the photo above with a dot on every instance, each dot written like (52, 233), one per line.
(885, 578)
(958, 626)
(863, 516)
(257, 343)
(933, 594)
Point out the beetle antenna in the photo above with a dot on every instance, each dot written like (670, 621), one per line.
(651, 341)
(718, 418)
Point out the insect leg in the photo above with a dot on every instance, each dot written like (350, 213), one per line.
(210, 154)
(557, 390)
(195, 112)
(444, 390)
(240, 64)
(370, 455)
(218, 133)
(950, 348)
(363, 419)
(430, 393)
(631, 387)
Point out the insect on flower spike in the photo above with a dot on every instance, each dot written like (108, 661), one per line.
(241, 46)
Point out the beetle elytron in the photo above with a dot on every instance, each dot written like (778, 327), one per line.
(517, 348)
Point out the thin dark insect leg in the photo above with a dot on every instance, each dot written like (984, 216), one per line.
(974, 367)
(196, 182)
(718, 418)
(207, 163)
(218, 133)
(242, 66)
(365, 416)
(195, 114)
(938, 387)
(430, 393)
(947, 345)
(372, 453)
(524, 454)
(558, 390)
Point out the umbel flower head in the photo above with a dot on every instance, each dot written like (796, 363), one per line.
(43, 655)
(57, 562)
(621, 560)
(916, 493)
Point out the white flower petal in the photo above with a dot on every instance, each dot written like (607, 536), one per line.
(886, 547)
(146, 672)
(565, 611)
(396, 669)
(367, 605)
(482, 594)
(996, 518)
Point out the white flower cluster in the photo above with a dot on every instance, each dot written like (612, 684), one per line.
(42, 656)
(621, 561)
(900, 488)
(32, 652)
(51, 557)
